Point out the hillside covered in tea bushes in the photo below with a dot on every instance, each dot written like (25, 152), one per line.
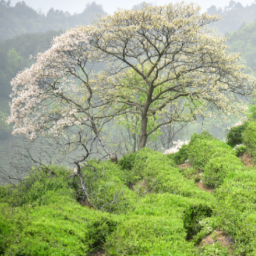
(198, 201)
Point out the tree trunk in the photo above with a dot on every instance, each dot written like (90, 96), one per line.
(143, 131)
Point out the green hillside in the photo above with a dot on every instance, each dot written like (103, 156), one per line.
(145, 205)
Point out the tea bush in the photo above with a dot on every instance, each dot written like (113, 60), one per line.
(36, 185)
(127, 162)
(236, 208)
(234, 136)
(203, 147)
(57, 229)
(153, 235)
(249, 138)
(160, 175)
(218, 168)
(181, 156)
(106, 187)
(215, 249)
(240, 149)
(190, 210)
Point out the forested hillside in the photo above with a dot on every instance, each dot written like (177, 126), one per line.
(14, 55)
(22, 19)
(244, 41)
(234, 16)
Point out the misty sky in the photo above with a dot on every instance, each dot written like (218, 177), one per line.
(111, 5)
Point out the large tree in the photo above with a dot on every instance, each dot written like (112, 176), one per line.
(165, 66)
(179, 61)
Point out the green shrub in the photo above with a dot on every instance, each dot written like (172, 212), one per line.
(234, 136)
(240, 149)
(160, 175)
(203, 147)
(59, 229)
(215, 249)
(36, 185)
(138, 172)
(6, 230)
(106, 187)
(236, 203)
(207, 226)
(218, 168)
(153, 235)
(191, 173)
(181, 156)
(191, 211)
(127, 162)
(249, 138)
(246, 235)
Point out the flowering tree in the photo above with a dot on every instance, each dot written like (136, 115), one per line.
(184, 67)
(165, 66)
(55, 96)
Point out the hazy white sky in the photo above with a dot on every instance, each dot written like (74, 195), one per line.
(111, 5)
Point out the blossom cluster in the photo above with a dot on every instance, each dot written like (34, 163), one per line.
(177, 146)
(43, 94)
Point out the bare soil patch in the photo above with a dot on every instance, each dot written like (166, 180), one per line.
(247, 159)
(202, 187)
(219, 236)
(184, 166)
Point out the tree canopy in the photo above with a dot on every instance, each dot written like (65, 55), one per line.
(164, 66)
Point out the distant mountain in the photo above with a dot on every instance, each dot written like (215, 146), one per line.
(22, 19)
(15, 52)
(234, 16)
(244, 41)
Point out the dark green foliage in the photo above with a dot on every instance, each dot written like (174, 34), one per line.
(249, 138)
(127, 162)
(193, 216)
(240, 149)
(159, 225)
(218, 168)
(181, 156)
(163, 212)
(234, 136)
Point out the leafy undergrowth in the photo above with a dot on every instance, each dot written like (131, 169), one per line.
(145, 205)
